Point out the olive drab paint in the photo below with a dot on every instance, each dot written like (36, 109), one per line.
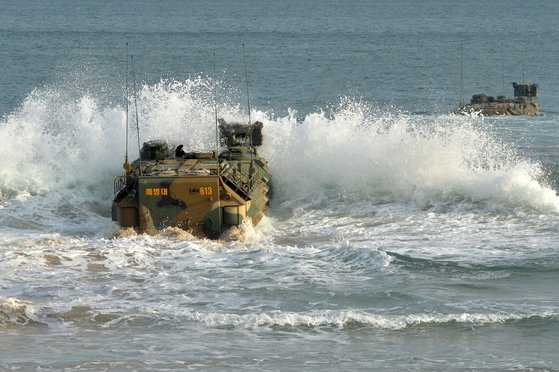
(198, 192)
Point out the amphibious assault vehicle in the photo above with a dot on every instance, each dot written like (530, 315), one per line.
(201, 192)
(523, 104)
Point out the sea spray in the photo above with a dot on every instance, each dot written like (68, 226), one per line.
(54, 142)
(366, 154)
(61, 152)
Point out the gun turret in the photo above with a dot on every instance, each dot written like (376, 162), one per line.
(525, 90)
(239, 135)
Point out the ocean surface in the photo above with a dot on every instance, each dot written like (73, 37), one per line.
(400, 236)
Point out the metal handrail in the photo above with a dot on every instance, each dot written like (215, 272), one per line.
(238, 179)
(119, 184)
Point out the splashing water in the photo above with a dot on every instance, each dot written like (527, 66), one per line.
(362, 153)
(67, 149)
(55, 142)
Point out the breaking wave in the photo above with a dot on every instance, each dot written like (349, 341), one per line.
(19, 313)
(359, 153)
(64, 146)
(345, 319)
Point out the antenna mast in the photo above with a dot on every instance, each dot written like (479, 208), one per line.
(523, 77)
(251, 169)
(126, 164)
(215, 112)
(248, 96)
(216, 133)
(136, 107)
(462, 73)
(503, 67)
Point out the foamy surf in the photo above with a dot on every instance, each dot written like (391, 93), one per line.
(59, 148)
(349, 319)
(364, 153)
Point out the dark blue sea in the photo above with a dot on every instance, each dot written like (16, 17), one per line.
(400, 236)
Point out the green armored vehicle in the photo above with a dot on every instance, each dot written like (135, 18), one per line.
(523, 103)
(198, 192)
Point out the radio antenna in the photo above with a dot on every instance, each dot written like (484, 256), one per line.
(461, 73)
(251, 168)
(216, 132)
(215, 112)
(503, 66)
(248, 96)
(126, 164)
(136, 108)
(523, 77)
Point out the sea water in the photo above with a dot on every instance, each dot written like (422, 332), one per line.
(399, 236)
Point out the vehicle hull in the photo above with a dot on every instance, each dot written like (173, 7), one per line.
(201, 193)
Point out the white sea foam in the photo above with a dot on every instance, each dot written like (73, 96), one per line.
(55, 142)
(362, 152)
(61, 152)
(344, 319)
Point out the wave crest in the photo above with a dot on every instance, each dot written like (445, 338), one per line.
(360, 153)
(345, 319)
(353, 151)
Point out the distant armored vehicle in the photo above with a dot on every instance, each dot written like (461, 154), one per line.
(199, 192)
(523, 104)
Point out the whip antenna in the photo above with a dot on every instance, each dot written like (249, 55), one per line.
(136, 108)
(215, 112)
(126, 164)
(503, 66)
(523, 77)
(216, 134)
(461, 73)
(248, 96)
(251, 169)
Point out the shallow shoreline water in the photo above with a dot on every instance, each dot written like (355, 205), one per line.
(399, 236)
